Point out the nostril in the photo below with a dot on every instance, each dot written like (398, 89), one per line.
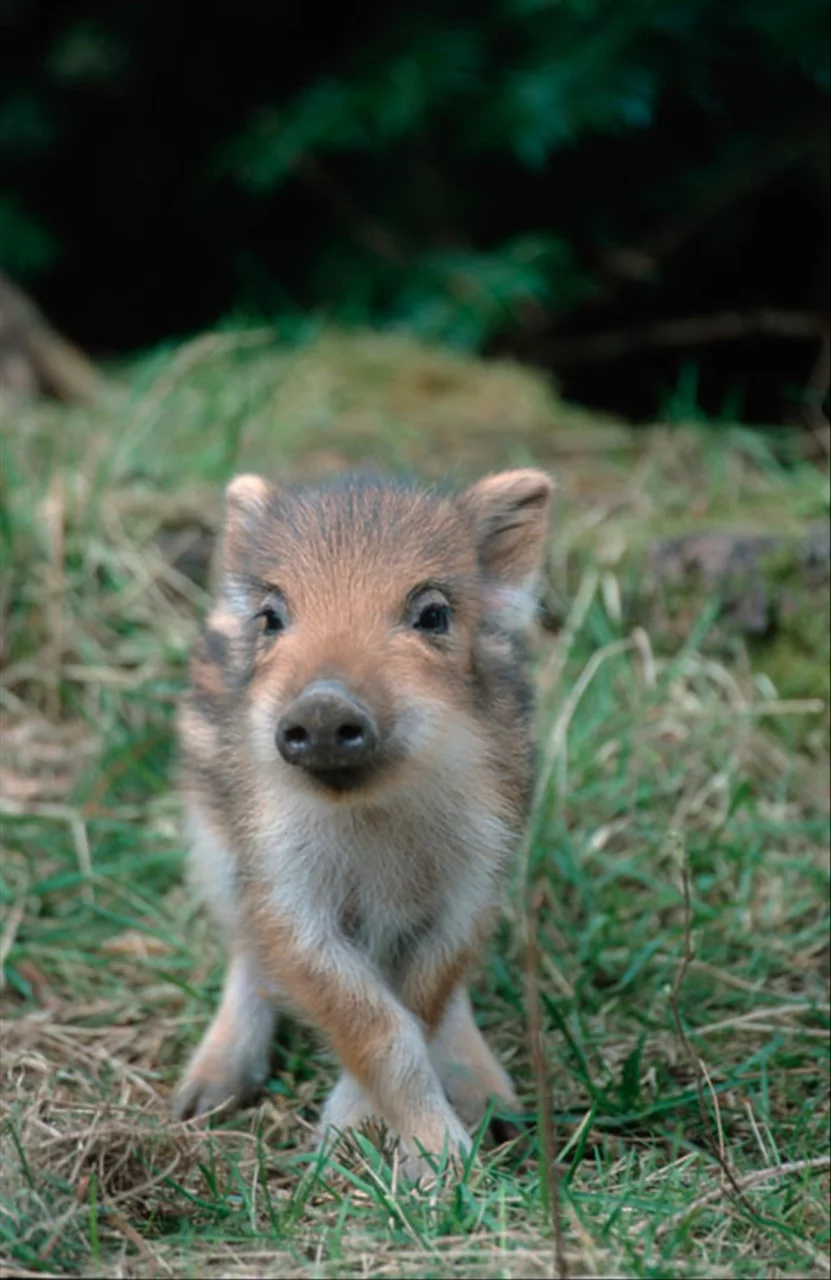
(350, 733)
(296, 735)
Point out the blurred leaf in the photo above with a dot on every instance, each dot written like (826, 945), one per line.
(26, 247)
(26, 126)
(86, 54)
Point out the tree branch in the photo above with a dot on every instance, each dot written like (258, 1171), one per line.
(732, 184)
(690, 331)
(372, 234)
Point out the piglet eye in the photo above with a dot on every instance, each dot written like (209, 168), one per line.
(272, 622)
(434, 618)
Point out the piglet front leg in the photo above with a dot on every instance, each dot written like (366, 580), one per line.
(379, 1042)
(232, 1062)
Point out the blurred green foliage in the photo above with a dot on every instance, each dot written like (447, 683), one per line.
(462, 167)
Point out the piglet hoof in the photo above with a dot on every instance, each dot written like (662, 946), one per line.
(442, 1158)
(218, 1094)
(429, 1173)
(503, 1132)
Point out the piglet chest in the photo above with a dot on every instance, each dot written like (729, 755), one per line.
(396, 875)
(406, 872)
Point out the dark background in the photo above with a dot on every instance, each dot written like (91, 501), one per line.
(503, 175)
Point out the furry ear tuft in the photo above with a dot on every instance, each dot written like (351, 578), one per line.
(244, 495)
(511, 511)
(246, 501)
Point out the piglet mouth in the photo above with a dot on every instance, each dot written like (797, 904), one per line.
(342, 778)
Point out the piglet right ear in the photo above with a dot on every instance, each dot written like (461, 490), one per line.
(246, 496)
(246, 501)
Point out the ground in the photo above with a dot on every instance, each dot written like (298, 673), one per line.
(675, 878)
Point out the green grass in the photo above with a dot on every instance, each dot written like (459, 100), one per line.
(677, 860)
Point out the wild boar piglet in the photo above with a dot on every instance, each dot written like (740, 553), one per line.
(356, 769)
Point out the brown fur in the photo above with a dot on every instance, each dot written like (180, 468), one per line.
(363, 908)
(358, 1027)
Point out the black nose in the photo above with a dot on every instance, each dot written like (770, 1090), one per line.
(325, 728)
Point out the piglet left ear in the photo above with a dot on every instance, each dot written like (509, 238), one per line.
(511, 512)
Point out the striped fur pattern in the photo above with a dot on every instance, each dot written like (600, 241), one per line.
(360, 898)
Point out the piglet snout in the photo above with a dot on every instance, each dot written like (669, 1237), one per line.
(326, 728)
